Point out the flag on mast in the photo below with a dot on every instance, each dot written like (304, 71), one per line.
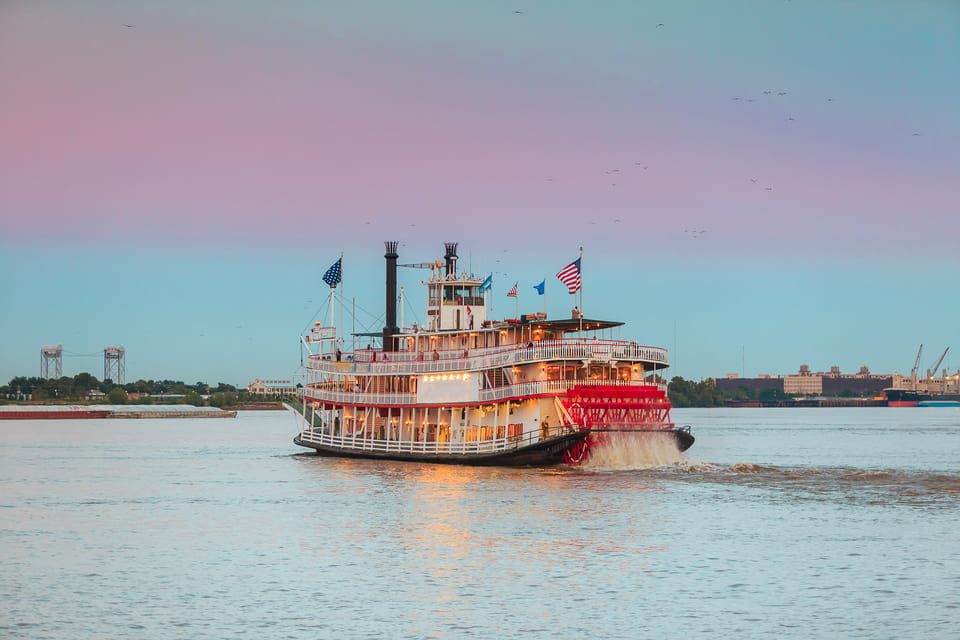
(513, 292)
(334, 274)
(541, 287)
(570, 276)
(486, 284)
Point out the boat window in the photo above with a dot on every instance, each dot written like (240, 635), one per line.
(461, 294)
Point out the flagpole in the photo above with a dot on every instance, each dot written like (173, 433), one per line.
(581, 292)
(333, 310)
(341, 296)
(544, 295)
(491, 295)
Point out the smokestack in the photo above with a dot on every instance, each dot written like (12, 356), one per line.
(391, 329)
(451, 257)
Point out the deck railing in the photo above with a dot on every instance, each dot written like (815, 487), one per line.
(544, 387)
(359, 397)
(407, 362)
(496, 445)
(520, 389)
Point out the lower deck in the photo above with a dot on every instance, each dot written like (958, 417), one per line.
(530, 450)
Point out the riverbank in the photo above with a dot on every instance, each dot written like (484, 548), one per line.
(93, 411)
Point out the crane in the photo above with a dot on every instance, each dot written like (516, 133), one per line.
(937, 366)
(916, 364)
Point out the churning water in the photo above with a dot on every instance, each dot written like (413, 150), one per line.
(634, 451)
(787, 523)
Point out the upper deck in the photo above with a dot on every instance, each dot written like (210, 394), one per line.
(377, 362)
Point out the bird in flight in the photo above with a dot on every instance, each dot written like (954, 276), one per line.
(659, 25)
(753, 180)
(129, 26)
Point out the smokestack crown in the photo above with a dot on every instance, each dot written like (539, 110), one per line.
(451, 257)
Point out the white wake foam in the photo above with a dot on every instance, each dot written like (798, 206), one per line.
(634, 451)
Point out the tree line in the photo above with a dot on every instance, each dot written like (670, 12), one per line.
(687, 393)
(78, 387)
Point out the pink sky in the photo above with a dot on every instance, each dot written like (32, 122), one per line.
(326, 127)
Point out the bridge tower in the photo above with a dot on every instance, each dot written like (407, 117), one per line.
(51, 362)
(113, 367)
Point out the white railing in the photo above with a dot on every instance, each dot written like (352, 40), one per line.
(544, 387)
(406, 363)
(520, 389)
(356, 397)
(497, 445)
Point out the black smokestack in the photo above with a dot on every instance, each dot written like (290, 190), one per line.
(451, 257)
(391, 329)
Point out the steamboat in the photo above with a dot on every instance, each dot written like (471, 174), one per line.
(467, 389)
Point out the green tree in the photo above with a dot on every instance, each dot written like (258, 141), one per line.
(117, 395)
(194, 398)
(85, 381)
(686, 393)
(223, 400)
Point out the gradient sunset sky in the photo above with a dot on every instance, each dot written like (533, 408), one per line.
(756, 185)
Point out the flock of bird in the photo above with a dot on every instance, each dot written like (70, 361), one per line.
(692, 233)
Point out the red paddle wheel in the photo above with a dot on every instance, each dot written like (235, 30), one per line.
(614, 408)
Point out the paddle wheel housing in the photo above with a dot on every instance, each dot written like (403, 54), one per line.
(614, 408)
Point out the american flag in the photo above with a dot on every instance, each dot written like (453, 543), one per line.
(334, 274)
(513, 292)
(570, 276)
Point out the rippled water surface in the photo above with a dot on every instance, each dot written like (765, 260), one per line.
(787, 523)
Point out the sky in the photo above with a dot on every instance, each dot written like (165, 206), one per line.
(755, 185)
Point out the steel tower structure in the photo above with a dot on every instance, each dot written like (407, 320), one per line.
(51, 356)
(113, 368)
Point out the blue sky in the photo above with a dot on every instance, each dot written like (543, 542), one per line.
(180, 185)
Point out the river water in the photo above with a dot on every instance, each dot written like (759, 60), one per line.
(787, 523)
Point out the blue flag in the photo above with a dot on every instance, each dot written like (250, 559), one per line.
(487, 283)
(541, 287)
(334, 274)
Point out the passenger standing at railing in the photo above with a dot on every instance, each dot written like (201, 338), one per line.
(545, 428)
